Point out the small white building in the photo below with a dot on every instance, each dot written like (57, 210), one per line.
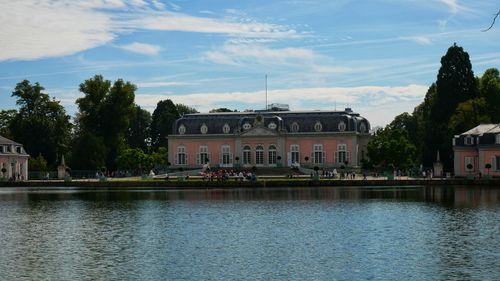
(13, 160)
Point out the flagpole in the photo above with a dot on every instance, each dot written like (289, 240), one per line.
(265, 108)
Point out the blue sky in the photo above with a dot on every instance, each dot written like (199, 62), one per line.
(377, 56)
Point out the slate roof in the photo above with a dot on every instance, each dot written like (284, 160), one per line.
(7, 141)
(482, 129)
(306, 121)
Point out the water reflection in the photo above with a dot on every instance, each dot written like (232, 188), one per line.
(436, 233)
(452, 196)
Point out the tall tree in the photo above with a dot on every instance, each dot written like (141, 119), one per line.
(105, 113)
(138, 133)
(164, 118)
(41, 123)
(455, 84)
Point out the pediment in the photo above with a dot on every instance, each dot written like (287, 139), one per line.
(260, 131)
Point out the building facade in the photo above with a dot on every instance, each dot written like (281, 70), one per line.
(13, 160)
(476, 148)
(271, 138)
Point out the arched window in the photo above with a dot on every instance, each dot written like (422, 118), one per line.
(203, 155)
(295, 153)
(259, 155)
(272, 155)
(318, 154)
(226, 128)
(226, 156)
(294, 127)
(181, 157)
(247, 155)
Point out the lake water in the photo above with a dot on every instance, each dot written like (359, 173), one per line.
(434, 233)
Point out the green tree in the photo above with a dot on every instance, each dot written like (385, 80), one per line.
(41, 123)
(391, 148)
(455, 84)
(89, 152)
(6, 117)
(138, 134)
(469, 114)
(489, 89)
(183, 109)
(38, 164)
(164, 118)
(105, 113)
(135, 160)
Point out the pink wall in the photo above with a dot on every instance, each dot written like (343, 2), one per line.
(488, 154)
(329, 147)
(461, 156)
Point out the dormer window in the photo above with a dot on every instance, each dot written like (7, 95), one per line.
(182, 129)
(318, 127)
(226, 128)
(294, 127)
(247, 126)
(469, 140)
(272, 126)
(362, 128)
(497, 139)
(203, 129)
(342, 126)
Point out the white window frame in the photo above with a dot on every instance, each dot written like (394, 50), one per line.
(259, 155)
(295, 127)
(318, 156)
(247, 155)
(272, 155)
(181, 155)
(203, 155)
(226, 158)
(342, 154)
(295, 153)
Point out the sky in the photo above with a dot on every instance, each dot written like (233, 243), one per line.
(376, 56)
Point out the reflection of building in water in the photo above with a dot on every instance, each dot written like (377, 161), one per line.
(269, 138)
(475, 149)
(13, 160)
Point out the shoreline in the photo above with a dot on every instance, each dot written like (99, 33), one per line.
(261, 183)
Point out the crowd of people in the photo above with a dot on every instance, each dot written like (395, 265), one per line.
(224, 175)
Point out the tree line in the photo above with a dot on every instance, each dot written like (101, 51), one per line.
(109, 131)
(456, 102)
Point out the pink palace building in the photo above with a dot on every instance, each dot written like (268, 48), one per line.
(478, 147)
(13, 160)
(269, 138)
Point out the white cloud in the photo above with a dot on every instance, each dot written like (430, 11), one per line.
(421, 40)
(33, 30)
(142, 48)
(162, 84)
(256, 53)
(378, 103)
(171, 21)
(40, 29)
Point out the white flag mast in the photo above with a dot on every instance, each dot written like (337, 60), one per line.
(265, 108)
